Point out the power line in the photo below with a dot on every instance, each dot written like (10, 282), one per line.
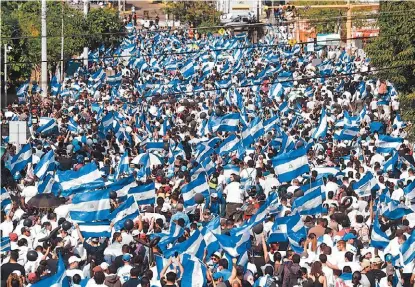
(310, 21)
(293, 80)
(210, 50)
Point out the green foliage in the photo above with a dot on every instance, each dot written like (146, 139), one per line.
(325, 20)
(200, 13)
(408, 113)
(22, 19)
(395, 46)
(10, 28)
(105, 20)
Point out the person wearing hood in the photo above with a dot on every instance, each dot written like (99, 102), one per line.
(111, 278)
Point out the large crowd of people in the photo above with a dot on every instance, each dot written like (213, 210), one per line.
(210, 161)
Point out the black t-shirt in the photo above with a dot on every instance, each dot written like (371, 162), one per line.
(7, 269)
(375, 274)
(98, 251)
(133, 282)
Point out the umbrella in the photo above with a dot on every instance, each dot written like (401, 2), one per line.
(154, 160)
(46, 200)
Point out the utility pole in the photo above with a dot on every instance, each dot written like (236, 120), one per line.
(86, 48)
(62, 44)
(5, 74)
(44, 76)
(119, 6)
(349, 26)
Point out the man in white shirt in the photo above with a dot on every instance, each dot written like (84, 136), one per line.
(328, 272)
(73, 269)
(124, 271)
(235, 195)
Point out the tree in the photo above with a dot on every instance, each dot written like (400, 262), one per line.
(28, 15)
(21, 20)
(106, 22)
(199, 13)
(10, 32)
(393, 52)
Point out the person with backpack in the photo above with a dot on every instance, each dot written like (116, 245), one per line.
(362, 230)
(291, 270)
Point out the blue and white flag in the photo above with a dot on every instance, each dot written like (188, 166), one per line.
(409, 190)
(21, 159)
(115, 80)
(90, 206)
(321, 130)
(234, 245)
(387, 144)
(123, 166)
(198, 185)
(21, 92)
(126, 210)
(188, 69)
(154, 146)
(194, 245)
(72, 125)
(270, 123)
(195, 272)
(144, 194)
(45, 165)
(95, 229)
(346, 133)
(55, 86)
(59, 279)
(398, 122)
(5, 198)
(86, 178)
(231, 143)
(389, 165)
(276, 90)
(122, 186)
(47, 126)
(310, 203)
(290, 165)
(296, 232)
(48, 185)
(395, 210)
(5, 244)
(408, 249)
(365, 185)
(227, 123)
(379, 239)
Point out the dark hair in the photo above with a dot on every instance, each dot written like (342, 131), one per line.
(125, 248)
(76, 279)
(99, 277)
(323, 258)
(112, 269)
(356, 277)
(277, 256)
(135, 272)
(145, 282)
(269, 270)
(349, 256)
(316, 269)
(347, 269)
(296, 258)
(223, 262)
(359, 218)
(14, 255)
(171, 277)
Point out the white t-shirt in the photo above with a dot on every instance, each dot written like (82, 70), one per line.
(124, 273)
(234, 193)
